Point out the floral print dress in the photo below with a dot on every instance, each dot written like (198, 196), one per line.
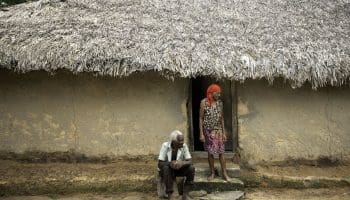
(212, 127)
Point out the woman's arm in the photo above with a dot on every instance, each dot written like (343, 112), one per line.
(224, 136)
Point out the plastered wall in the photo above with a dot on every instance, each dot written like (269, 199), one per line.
(92, 115)
(276, 122)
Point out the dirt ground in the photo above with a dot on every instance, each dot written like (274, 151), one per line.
(256, 194)
(65, 178)
(122, 196)
(93, 179)
(305, 194)
(15, 171)
(305, 170)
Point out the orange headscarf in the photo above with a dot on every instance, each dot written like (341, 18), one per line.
(212, 88)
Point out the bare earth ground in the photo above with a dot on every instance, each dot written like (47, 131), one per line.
(122, 196)
(304, 171)
(256, 194)
(65, 178)
(41, 174)
(15, 171)
(306, 194)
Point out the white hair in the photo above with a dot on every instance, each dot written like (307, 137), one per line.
(174, 135)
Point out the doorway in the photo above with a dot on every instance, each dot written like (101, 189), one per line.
(198, 89)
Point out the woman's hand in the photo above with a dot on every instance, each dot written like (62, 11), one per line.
(224, 138)
(202, 138)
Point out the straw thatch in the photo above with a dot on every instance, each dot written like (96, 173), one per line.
(299, 40)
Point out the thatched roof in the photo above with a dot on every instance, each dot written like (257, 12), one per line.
(299, 40)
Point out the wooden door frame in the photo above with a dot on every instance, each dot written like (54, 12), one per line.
(234, 116)
(190, 118)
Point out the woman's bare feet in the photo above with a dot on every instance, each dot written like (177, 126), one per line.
(225, 176)
(211, 177)
(184, 197)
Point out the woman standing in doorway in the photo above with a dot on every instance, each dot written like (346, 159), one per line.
(211, 127)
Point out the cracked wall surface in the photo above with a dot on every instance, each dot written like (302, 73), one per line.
(278, 123)
(91, 115)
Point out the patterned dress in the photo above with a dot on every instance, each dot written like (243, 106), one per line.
(212, 127)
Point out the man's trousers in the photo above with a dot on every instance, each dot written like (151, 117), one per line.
(168, 175)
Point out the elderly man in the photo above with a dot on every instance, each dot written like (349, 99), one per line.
(175, 160)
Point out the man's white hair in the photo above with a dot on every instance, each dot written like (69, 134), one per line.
(174, 135)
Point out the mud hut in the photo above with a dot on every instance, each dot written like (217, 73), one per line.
(114, 77)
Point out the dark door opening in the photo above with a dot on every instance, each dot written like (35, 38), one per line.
(198, 90)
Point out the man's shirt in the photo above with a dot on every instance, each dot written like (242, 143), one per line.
(165, 152)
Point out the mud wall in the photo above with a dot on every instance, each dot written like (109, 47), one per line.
(88, 114)
(276, 122)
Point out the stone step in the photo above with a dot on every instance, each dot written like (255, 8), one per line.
(202, 156)
(201, 181)
(217, 184)
(233, 170)
(227, 195)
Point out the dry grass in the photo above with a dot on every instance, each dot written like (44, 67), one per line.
(301, 41)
